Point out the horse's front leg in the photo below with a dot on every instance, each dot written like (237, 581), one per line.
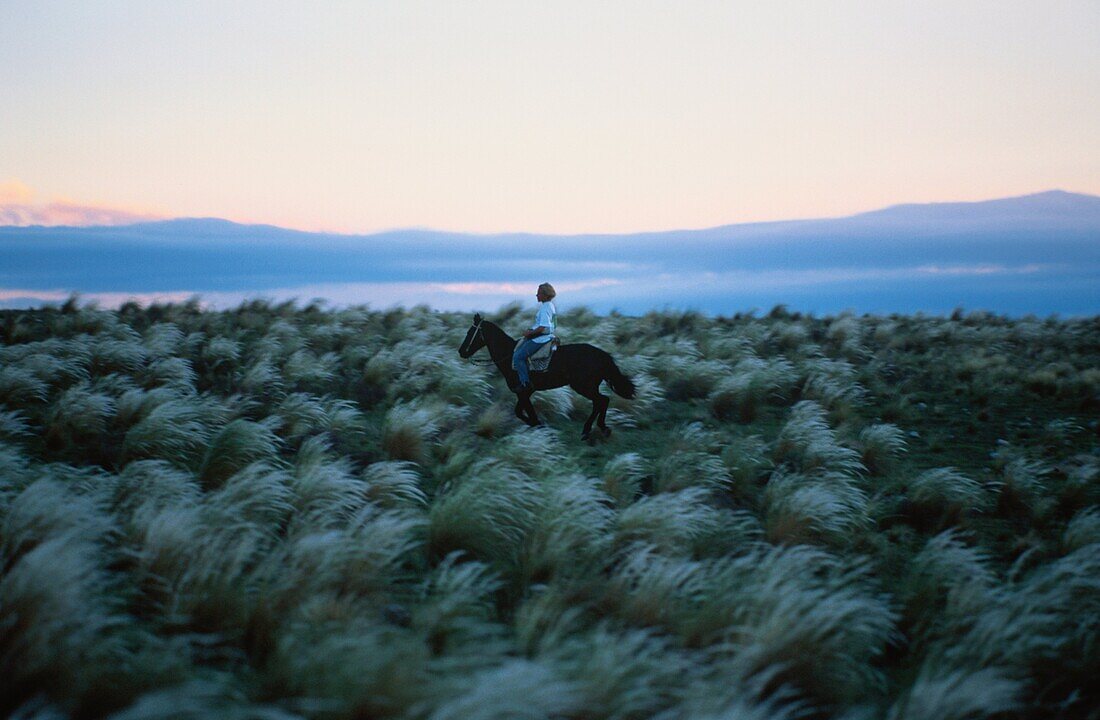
(521, 410)
(525, 410)
(533, 417)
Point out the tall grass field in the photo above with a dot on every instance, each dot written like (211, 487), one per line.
(285, 511)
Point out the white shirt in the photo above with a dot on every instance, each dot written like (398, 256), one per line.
(545, 317)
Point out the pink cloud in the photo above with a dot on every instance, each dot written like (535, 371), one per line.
(442, 296)
(18, 207)
(40, 295)
(103, 299)
(15, 192)
(520, 288)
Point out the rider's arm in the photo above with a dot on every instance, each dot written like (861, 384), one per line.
(543, 316)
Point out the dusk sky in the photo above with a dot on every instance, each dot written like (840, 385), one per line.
(550, 117)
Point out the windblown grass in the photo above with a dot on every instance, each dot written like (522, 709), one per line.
(410, 430)
(808, 443)
(672, 522)
(947, 494)
(822, 506)
(280, 511)
(622, 478)
(487, 513)
(754, 381)
(958, 695)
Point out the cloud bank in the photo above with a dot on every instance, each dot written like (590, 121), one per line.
(18, 207)
(750, 289)
(1038, 254)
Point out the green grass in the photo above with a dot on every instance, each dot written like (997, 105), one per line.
(283, 511)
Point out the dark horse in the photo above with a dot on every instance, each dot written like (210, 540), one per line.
(580, 366)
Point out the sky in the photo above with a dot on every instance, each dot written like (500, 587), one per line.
(563, 117)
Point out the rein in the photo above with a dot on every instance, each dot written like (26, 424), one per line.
(476, 360)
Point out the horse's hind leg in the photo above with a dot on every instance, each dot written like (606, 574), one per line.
(593, 394)
(602, 402)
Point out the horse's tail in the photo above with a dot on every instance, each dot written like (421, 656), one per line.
(621, 384)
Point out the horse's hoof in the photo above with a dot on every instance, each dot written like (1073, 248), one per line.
(606, 432)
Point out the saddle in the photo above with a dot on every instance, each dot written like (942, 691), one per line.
(539, 360)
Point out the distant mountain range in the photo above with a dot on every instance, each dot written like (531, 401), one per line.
(1037, 253)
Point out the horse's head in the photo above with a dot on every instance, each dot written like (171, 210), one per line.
(475, 339)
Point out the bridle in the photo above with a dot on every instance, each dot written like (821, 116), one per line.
(476, 360)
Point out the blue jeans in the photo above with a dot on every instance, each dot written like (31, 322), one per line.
(526, 349)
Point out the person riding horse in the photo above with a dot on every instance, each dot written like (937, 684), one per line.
(540, 333)
(581, 366)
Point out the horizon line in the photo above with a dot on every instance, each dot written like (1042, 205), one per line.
(154, 220)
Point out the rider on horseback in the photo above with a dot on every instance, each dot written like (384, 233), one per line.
(581, 366)
(540, 333)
